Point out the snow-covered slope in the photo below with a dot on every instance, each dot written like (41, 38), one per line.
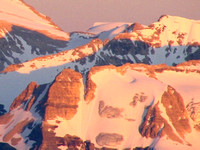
(21, 44)
(171, 40)
(169, 30)
(99, 27)
(26, 34)
(161, 42)
(134, 105)
(16, 12)
(108, 30)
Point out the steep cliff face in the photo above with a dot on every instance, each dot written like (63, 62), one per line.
(26, 98)
(154, 125)
(176, 110)
(63, 97)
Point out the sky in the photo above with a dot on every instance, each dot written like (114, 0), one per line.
(80, 15)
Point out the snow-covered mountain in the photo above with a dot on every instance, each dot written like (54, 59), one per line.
(16, 12)
(133, 44)
(116, 86)
(134, 105)
(26, 34)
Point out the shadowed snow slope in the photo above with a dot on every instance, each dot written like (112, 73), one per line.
(26, 34)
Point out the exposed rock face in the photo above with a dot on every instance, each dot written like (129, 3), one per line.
(134, 27)
(26, 95)
(29, 97)
(72, 142)
(91, 86)
(61, 98)
(192, 56)
(62, 101)
(64, 95)
(109, 111)
(4, 119)
(138, 98)
(109, 139)
(118, 52)
(154, 125)
(175, 109)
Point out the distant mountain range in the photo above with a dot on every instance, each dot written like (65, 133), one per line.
(116, 86)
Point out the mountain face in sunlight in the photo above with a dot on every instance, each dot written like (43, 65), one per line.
(26, 34)
(116, 86)
(16, 12)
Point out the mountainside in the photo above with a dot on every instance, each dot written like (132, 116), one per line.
(26, 34)
(16, 12)
(116, 86)
(148, 106)
(136, 44)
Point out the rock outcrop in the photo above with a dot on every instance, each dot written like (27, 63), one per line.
(64, 95)
(176, 110)
(109, 111)
(155, 125)
(109, 139)
(63, 98)
(26, 98)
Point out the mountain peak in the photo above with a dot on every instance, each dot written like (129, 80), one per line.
(99, 27)
(16, 12)
(164, 18)
(169, 30)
